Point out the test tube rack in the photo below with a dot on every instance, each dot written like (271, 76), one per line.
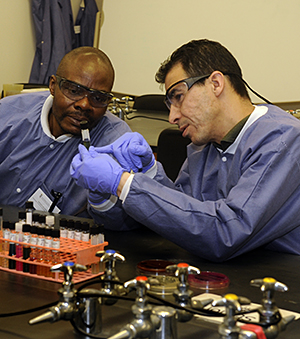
(77, 251)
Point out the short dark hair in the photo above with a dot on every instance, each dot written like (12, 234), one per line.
(200, 57)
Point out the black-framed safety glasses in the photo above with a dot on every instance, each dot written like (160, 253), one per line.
(76, 92)
(176, 93)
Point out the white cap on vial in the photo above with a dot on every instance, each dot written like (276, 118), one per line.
(50, 220)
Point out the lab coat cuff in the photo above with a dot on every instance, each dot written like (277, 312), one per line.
(126, 188)
(104, 205)
(151, 173)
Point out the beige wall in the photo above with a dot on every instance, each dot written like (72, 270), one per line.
(138, 35)
(17, 46)
(17, 41)
(264, 35)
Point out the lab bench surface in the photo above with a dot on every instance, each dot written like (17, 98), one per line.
(22, 293)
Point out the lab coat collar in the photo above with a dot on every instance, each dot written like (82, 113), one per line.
(45, 122)
(256, 114)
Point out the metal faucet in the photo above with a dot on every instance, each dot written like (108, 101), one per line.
(127, 98)
(110, 257)
(67, 306)
(143, 324)
(116, 109)
(183, 295)
(270, 316)
(228, 329)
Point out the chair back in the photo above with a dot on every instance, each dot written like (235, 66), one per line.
(150, 102)
(171, 151)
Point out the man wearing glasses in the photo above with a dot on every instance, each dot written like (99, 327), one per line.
(239, 188)
(40, 133)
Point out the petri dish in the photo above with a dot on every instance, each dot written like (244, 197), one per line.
(163, 282)
(153, 267)
(209, 281)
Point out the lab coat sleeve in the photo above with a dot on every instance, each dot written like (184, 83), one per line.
(259, 207)
(114, 219)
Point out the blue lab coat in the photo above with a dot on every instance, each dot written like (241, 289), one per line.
(53, 21)
(227, 203)
(31, 159)
(86, 19)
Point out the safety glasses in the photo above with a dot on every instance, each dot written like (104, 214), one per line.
(176, 93)
(76, 92)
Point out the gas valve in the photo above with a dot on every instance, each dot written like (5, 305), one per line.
(143, 325)
(67, 306)
(183, 295)
(228, 329)
(110, 257)
(116, 109)
(127, 98)
(269, 314)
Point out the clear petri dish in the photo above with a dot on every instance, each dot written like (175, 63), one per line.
(208, 281)
(153, 267)
(163, 282)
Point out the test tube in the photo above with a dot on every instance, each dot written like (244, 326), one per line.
(56, 245)
(33, 241)
(78, 230)
(5, 246)
(19, 247)
(12, 245)
(47, 252)
(85, 231)
(22, 217)
(26, 248)
(29, 211)
(40, 251)
(1, 233)
(1, 218)
(63, 228)
(71, 229)
(85, 133)
(94, 238)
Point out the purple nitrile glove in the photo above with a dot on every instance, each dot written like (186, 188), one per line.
(99, 174)
(131, 150)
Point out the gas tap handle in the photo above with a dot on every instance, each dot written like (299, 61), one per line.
(127, 98)
(110, 255)
(182, 270)
(269, 284)
(232, 301)
(68, 265)
(115, 101)
(68, 268)
(140, 283)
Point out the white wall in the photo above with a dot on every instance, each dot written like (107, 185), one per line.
(263, 35)
(138, 35)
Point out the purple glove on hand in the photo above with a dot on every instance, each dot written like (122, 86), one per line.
(131, 150)
(99, 174)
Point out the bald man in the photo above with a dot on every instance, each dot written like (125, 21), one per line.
(40, 134)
